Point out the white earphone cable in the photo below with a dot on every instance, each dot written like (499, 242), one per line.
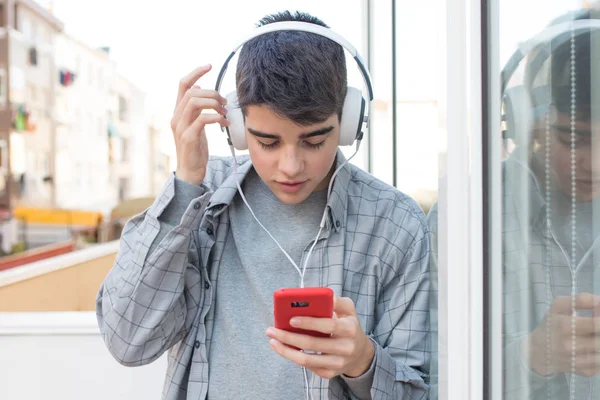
(302, 271)
(309, 387)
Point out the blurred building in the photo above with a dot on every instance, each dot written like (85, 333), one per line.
(27, 128)
(74, 133)
(160, 161)
(85, 81)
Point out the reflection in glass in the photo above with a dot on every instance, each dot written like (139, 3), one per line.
(550, 226)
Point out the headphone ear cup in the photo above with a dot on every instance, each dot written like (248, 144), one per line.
(352, 117)
(236, 130)
(517, 115)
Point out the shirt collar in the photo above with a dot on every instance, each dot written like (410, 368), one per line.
(338, 200)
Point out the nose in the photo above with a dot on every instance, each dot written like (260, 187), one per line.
(290, 163)
(589, 160)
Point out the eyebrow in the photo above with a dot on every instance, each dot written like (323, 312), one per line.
(318, 132)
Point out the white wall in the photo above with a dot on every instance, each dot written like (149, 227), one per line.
(61, 356)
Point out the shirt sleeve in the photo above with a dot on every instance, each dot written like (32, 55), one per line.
(149, 299)
(361, 385)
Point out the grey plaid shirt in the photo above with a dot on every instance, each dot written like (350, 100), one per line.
(537, 269)
(376, 252)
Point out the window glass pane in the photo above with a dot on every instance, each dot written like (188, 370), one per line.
(549, 53)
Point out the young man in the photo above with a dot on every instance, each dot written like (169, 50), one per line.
(195, 273)
(553, 348)
(551, 235)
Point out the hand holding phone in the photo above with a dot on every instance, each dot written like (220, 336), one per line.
(316, 302)
(349, 346)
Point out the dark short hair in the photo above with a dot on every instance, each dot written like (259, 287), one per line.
(299, 75)
(567, 56)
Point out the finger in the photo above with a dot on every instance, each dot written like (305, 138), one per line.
(583, 326)
(187, 81)
(322, 325)
(195, 107)
(583, 301)
(587, 364)
(196, 92)
(332, 346)
(343, 306)
(310, 361)
(587, 326)
(339, 327)
(583, 345)
(206, 119)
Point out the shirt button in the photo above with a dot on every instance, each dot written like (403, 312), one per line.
(197, 206)
(337, 224)
(197, 344)
(206, 285)
(209, 231)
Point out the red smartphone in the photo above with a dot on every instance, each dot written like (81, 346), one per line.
(314, 302)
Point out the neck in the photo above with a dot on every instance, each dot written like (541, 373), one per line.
(324, 185)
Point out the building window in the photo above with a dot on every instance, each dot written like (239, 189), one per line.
(122, 109)
(33, 56)
(124, 150)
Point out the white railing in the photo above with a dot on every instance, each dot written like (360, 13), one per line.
(61, 356)
(46, 266)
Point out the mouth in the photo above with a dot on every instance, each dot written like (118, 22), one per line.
(291, 187)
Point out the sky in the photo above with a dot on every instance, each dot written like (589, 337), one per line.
(155, 44)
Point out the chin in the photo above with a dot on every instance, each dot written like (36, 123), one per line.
(291, 198)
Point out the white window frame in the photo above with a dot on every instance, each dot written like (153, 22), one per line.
(461, 219)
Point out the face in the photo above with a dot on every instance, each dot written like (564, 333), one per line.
(293, 160)
(587, 157)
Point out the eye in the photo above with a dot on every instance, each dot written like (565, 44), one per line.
(315, 146)
(268, 146)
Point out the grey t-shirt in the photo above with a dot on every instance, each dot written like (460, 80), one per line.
(252, 268)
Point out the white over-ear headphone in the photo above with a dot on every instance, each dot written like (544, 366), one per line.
(354, 120)
(522, 105)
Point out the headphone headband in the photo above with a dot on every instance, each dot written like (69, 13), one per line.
(520, 104)
(303, 27)
(579, 26)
